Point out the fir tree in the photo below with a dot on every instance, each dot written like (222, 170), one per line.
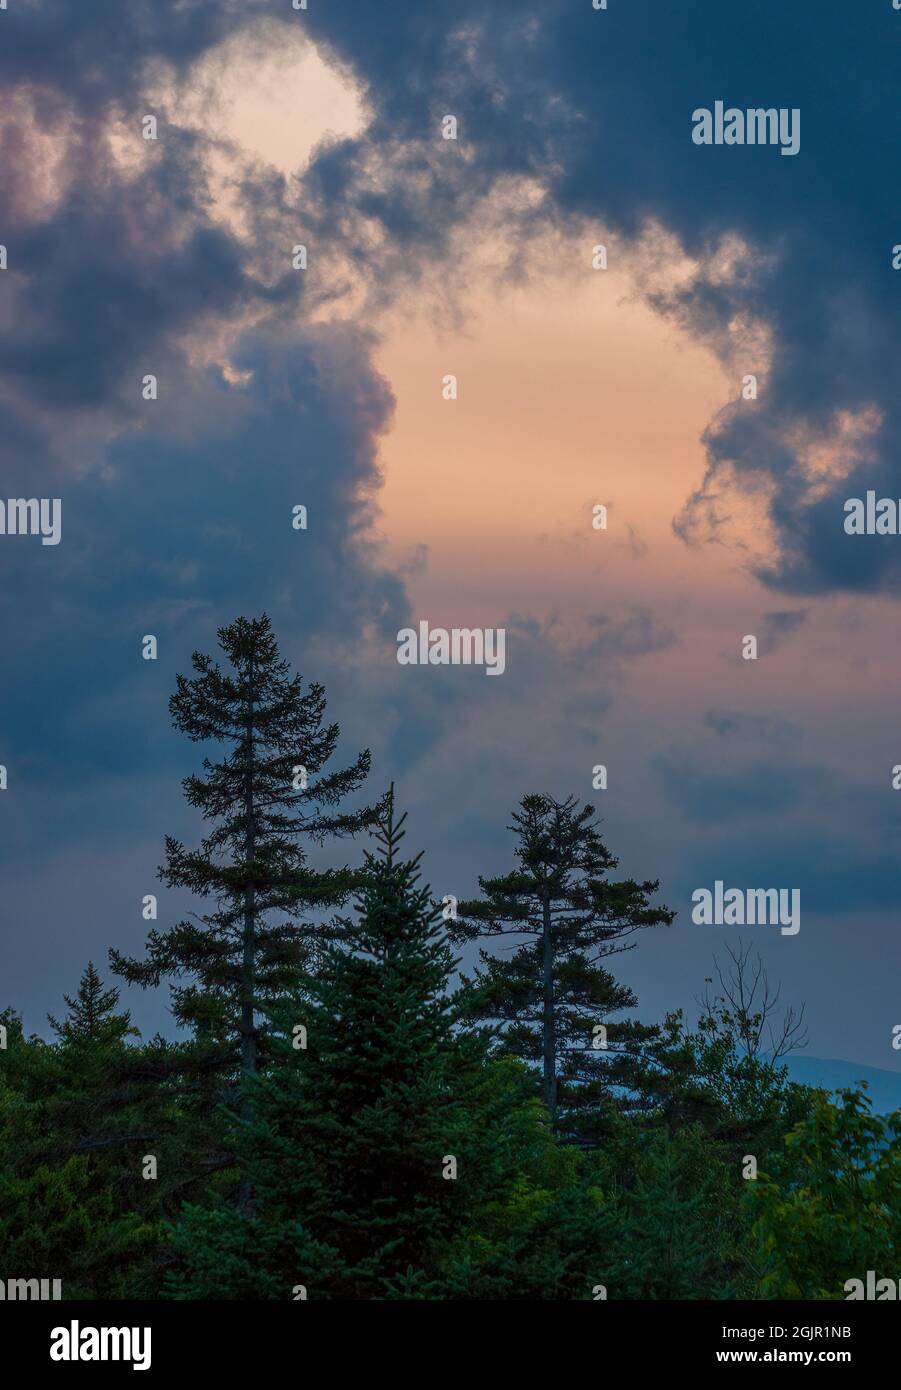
(381, 1108)
(353, 1142)
(267, 797)
(551, 995)
(74, 1128)
(92, 1017)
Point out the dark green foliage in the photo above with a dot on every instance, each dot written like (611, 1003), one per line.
(351, 1138)
(682, 1227)
(828, 1209)
(73, 1202)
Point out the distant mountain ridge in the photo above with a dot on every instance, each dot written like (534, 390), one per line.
(832, 1073)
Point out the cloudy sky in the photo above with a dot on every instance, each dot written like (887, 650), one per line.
(172, 257)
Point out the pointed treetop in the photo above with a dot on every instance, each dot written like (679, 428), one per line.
(92, 1011)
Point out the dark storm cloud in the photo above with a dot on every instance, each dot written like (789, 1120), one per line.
(114, 250)
(100, 309)
(598, 104)
(176, 512)
(95, 50)
(188, 526)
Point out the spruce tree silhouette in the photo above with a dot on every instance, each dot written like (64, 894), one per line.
(267, 796)
(550, 996)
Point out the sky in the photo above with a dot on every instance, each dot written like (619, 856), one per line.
(577, 387)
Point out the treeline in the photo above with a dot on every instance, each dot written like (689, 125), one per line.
(344, 1116)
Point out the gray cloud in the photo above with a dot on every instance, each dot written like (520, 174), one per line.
(751, 728)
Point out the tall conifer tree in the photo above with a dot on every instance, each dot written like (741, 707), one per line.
(550, 997)
(267, 797)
